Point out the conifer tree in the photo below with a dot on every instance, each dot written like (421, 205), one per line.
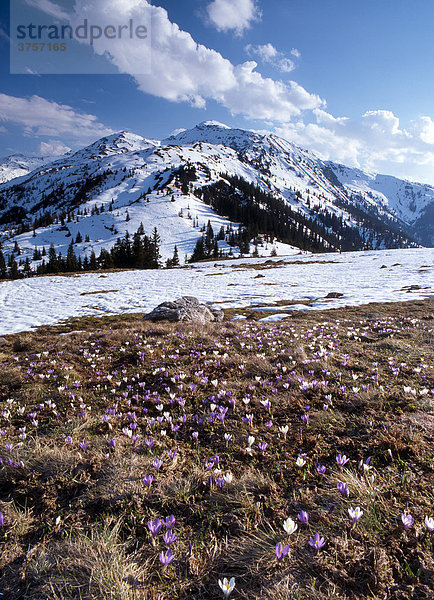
(3, 269)
(53, 263)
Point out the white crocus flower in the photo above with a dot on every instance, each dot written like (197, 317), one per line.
(228, 477)
(289, 526)
(227, 586)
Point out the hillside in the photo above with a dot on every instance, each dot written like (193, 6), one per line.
(151, 461)
(228, 177)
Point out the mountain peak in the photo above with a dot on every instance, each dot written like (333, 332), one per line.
(213, 132)
(216, 124)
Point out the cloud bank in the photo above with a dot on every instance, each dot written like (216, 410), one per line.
(40, 117)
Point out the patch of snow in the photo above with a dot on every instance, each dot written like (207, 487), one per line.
(28, 303)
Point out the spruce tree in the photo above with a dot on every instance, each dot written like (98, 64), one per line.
(53, 263)
(92, 261)
(199, 251)
(14, 272)
(3, 269)
(155, 248)
(175, 258)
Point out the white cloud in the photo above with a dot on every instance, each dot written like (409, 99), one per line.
(424, 129)
(375, 142)
(41, 117)
(257, 97)
(268, 54)
(185, 71)
(382, 121)
(53, 148)
(236, 15)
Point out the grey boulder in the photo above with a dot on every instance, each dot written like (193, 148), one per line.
(186, 308)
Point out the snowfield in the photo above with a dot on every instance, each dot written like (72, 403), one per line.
(362, 277)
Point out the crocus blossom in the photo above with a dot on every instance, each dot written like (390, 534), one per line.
(429, 524)
(154, 526)
(316, 542)
(289, 526)
(303, 517)
(166, 557)
(407, 521)
(341, 459)
(227, 586)
(281, 551)
(355, 513)
(342, 488)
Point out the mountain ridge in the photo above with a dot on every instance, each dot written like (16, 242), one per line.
(176, 185)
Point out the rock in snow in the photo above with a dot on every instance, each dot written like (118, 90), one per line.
(186, 308)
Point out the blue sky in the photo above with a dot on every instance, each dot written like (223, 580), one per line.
(350, 80)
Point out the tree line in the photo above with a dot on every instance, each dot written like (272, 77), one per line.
(129, 252)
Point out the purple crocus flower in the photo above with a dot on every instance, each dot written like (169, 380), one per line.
(148, 479)
(84, 445)
(154, 526)
(112, 443)
(305, 418)
(355, 513)
(316, 542)
(157, 464)
(341, 459)
(303, 517)
(321, 469)
(166, 557)
(342, 488)
(169, 537)
(2, 519)
(220, 481)
(262, 446)
(281, 551)
(170, 521)
(407, 521)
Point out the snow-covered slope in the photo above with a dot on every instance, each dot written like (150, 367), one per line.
(407, 200)
(302, 280)
(161, 184)
(17, 165)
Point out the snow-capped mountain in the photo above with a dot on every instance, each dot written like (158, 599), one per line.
(209, 173)
(17, 165)
(411, 202)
